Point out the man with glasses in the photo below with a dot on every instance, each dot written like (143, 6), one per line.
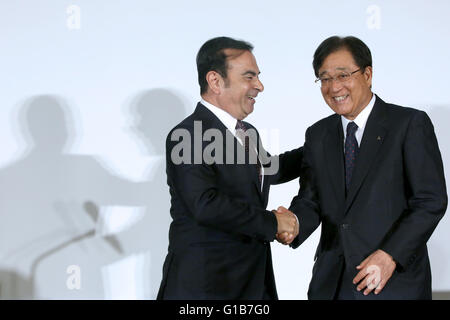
(372, 175)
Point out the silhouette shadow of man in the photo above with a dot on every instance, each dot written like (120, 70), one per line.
(50, 208)
(155, 112)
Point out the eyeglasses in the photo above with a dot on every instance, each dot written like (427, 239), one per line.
(341, 78)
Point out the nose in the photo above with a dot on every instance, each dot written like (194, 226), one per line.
(259, 85)
(335, 85)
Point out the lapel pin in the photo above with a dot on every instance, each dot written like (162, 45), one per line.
(378, 138)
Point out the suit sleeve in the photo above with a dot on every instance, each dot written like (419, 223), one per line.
(281, 168)
(196, 185)
(427, 198)
(306, 204)
(289, 166)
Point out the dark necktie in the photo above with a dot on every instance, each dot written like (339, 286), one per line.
(240, 130)
(351, 152)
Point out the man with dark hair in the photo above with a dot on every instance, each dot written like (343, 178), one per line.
(219, 240)
(372, 175)
(211, 56)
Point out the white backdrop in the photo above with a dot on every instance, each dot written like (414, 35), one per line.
(90, 88)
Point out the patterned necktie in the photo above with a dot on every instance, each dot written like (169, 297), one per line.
(240, 130)
(351, 152)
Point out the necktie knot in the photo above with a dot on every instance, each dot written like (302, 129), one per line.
(351, 128)
(240, 126)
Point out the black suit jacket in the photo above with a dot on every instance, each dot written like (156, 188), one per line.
(396, 198)
(219, 240)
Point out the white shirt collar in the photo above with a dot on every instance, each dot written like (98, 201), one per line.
(230, 123)
(226, 118)
(360, 120)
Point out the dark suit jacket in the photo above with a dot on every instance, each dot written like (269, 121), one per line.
(219, 238)
(395, 200)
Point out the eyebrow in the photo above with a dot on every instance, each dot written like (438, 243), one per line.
(249, 72)
(339, 69)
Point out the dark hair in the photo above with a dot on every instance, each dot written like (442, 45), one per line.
(211, 57)
(360, 52)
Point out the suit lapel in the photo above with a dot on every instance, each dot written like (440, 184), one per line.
(334, 154)
(266, 178)
(209, 120)
(373, 137)
(252, 169)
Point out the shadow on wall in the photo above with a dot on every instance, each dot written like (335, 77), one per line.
(441, 295)
(439, 115)
(14, 285)
(52, 205)
(154, 113)
(438, 245)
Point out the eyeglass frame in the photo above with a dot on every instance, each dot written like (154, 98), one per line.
(336, 78)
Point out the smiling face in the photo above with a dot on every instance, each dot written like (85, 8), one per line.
(241, 86)
(347, 98)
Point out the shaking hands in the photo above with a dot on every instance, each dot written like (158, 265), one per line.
(288, 227)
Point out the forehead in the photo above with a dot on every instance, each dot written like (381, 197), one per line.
(338, 60)
(241, 59)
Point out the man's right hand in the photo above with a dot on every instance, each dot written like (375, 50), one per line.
(287, 225)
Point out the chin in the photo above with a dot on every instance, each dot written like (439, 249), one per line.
(248, 111)
(342, 110)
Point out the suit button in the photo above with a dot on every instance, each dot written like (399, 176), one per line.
(345, 226)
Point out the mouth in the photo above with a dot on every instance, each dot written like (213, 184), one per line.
(251, 98)
(340, 99)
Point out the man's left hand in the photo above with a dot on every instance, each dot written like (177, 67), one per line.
(375, 271)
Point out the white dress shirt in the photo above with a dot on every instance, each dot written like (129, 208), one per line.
(230, 123)
(360, 120)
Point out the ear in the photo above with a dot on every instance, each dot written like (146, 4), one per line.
(214, 80)
(368, 76)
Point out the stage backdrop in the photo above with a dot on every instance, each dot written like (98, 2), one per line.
(90, 88)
